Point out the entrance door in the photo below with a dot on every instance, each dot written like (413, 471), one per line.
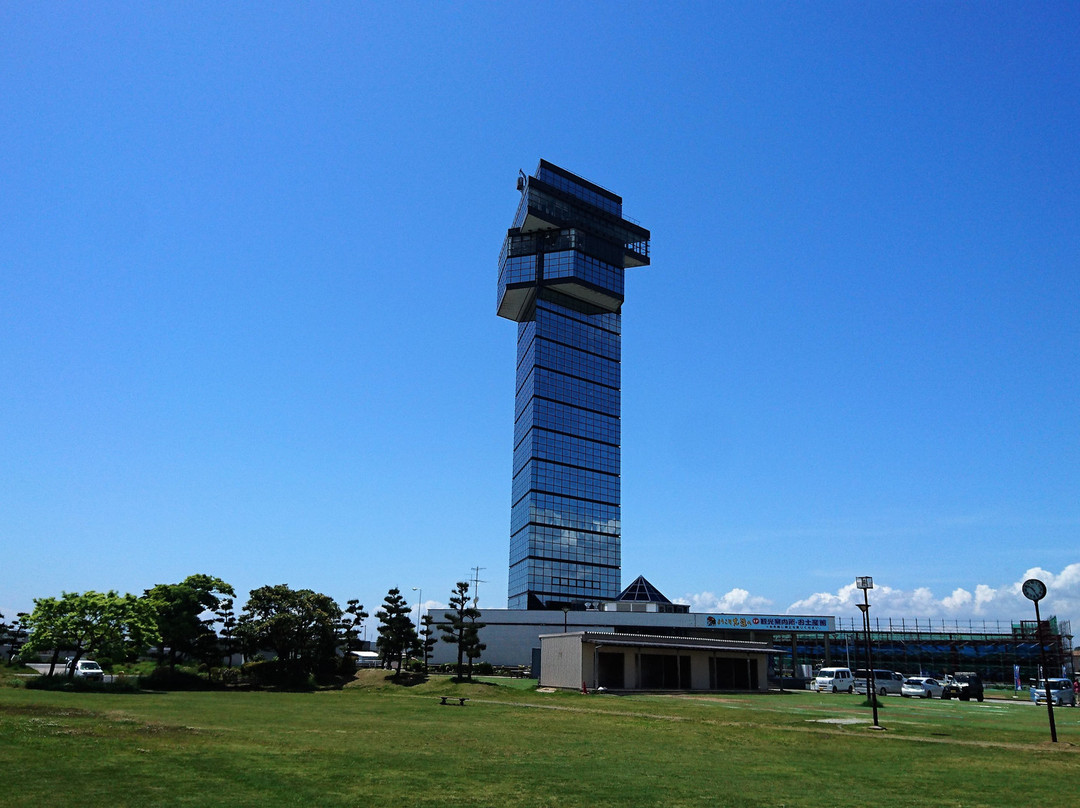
(733, 674)
(665, 672)
(610, 673)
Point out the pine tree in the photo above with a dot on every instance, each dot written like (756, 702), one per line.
(226, 615)
(473, 646)
(396, 631)
(460, 627)
(427, 639)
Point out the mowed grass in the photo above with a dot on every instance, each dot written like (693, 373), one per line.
(378, 743)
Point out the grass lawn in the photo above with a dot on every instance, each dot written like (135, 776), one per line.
(375, 743)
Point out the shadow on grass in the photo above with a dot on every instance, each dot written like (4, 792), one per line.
(62, 684)
(407, 678)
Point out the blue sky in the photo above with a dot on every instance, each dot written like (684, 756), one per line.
(247, 291)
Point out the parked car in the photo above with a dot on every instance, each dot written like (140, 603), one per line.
(964, 685)
(1061, 692)
(921, 687)
(885, 682)
(86, 669)
(835, 680)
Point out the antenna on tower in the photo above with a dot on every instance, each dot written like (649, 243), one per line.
(476, 585)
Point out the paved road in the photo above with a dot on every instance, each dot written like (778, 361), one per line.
(43, 669)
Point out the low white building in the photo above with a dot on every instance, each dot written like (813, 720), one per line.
(593, 659)
(645, 617)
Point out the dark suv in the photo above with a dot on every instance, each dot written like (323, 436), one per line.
(966, 686)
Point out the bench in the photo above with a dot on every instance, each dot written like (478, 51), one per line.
(460, 699)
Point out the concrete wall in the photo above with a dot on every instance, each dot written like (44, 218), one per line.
(511, 634)
(568, 661)
(563, 663)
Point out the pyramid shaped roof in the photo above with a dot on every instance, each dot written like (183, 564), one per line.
(641, 591)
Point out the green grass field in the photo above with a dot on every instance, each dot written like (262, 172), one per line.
(374, 743)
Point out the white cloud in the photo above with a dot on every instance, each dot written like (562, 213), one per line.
(959, 599)
(1004, 602)
(737, 601)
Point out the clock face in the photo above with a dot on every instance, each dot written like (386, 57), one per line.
(1034, 589)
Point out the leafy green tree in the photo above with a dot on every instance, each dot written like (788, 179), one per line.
(300, 626)
(103, 624)
(461, 627)
(396, 631)
(49, 630)
(182, 620)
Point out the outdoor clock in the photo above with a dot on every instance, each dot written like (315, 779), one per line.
(1034, 589)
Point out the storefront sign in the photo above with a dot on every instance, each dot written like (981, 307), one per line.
(770, 622)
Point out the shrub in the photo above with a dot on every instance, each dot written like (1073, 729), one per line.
(80, 685)
(278, 673)
(166, 679)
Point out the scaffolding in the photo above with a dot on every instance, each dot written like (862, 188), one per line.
(991, 648)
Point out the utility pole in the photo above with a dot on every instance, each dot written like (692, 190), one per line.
(476, 585)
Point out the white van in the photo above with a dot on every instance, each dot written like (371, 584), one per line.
(835, 680)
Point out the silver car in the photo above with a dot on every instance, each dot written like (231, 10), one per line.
(921, 687)
(1061, 692)
(885, 682)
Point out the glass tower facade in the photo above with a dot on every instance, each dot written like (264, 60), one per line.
(561, 279)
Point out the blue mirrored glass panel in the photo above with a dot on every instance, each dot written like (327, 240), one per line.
(561, 277)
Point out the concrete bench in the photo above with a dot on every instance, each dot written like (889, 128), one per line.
(460, 700)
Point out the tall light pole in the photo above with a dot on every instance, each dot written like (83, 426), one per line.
(1035, 590)
(419, 600)
(866, 583)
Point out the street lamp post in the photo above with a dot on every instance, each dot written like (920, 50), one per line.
(419, 601)
(866, 583)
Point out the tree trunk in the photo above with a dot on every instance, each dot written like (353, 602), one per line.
(74, 661)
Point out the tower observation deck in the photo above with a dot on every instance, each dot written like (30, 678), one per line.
(561, 279)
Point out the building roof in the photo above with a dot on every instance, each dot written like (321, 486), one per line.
(609, 638)
(641, 591)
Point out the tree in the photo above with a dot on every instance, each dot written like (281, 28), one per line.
(461, 628)
(348, 632)
(49, 630)
(396, 631)
(103, 624)
(180, 610)
(473, 646)
(353, 617)
(426, 640)
(225, 615)
(11, 635)
(300, 626)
